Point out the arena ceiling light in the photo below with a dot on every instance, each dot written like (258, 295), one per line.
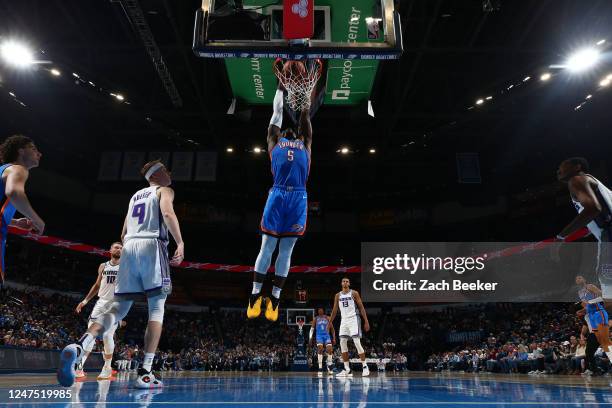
(372, 151)
(344, 150)
(582, 60)
(545, 76)
(16, 54)
(257, 150)
(230, 150)
(605, 82)
(55, 72)
(479, 101)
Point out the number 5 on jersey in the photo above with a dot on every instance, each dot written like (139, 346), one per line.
(290, 155)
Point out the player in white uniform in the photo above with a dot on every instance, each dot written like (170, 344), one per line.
(348, 301)
(593, 201)
(145, 268)
(105, 288)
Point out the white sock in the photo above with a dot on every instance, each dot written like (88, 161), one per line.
(276, 291)
(256, 288)
(364, 364)
(107, 363)
(347, 367)
(330, 359)
(320, 358)
(148, 361)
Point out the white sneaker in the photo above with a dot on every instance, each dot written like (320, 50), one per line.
(320, 373)
(345, 374)
(366, 371)
(147, 380)
(105, 374)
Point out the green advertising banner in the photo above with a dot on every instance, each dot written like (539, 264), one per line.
(348, 82)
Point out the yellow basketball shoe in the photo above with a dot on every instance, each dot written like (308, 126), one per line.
(254, 307)
(272, 308)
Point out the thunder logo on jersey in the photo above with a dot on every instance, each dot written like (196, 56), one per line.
(290, 163)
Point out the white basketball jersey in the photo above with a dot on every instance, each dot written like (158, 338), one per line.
(144, 219)
(107, 284)
(346, 303)
(604, 218)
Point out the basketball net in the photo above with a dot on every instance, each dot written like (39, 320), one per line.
(300, 324)
(299, 85)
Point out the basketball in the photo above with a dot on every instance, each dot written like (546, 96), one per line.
(294, 68)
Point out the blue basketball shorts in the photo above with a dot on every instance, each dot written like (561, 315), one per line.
(323, 338)
(285, 212)
(596, 315)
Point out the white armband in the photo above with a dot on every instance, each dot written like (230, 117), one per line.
(311, 333)
(277, 106)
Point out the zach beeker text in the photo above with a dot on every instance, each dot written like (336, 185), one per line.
(424, 285)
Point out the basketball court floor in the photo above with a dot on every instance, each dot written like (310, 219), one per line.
(187, 389)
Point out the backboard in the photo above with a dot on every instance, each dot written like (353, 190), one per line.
(360, 29)
(349, 36)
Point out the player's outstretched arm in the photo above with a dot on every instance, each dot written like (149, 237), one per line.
(15, 191)
(166, 205)
(594, 289)
(92, 292)
(305, 128)
(366, 324)
(276, 122)
(581, 190)
(334, 309)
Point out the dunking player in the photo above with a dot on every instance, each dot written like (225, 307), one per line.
(593, 201)
(350, 325)
(18, 155)
(284, 217)
(104, 287)
(325, 335)
(144, 269)
(594, 313)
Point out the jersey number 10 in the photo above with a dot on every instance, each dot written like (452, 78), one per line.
(110, 279)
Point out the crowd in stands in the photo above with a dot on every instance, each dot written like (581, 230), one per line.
(534, 339)
(510, 338)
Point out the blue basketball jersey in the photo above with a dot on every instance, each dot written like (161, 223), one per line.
(321, 323)
(290, 163)
(7, 210)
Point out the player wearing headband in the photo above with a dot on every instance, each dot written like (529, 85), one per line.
(144, 269)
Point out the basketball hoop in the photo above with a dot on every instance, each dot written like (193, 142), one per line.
(300, 325)
(299, 86)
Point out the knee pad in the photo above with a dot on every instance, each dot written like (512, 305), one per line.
(109, 341)
(156, 308)
(344, 344)
(118, 310)
(283, 260)
(358, 346)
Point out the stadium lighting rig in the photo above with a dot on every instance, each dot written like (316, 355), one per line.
(16, 54)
